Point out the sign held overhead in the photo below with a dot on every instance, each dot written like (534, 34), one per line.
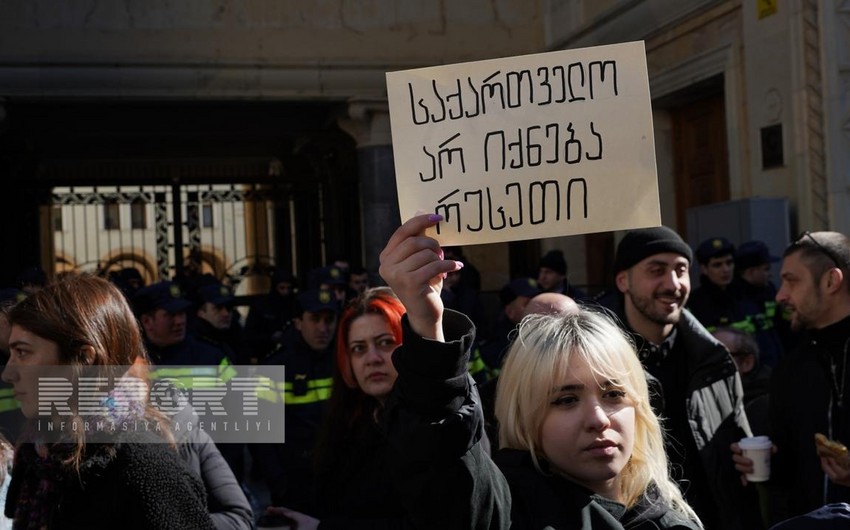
(535, 146)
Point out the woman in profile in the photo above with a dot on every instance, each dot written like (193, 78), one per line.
(581, 447)
(78, 475)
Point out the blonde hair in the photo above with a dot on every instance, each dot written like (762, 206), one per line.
(535, 364)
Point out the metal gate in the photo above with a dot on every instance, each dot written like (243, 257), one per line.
(163, 231)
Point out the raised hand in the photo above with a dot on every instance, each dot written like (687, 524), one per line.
(412, 264)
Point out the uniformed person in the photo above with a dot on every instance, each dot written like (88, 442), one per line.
(308, 359)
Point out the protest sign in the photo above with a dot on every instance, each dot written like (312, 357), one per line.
(541, 145)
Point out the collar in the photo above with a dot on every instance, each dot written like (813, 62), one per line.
(650, 353)
(833, 335)
(616, 509)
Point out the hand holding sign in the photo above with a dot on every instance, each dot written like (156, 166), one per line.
(541, 145)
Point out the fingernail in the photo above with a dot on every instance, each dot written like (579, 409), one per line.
(441, 254)
(435, 217)
(459, 265)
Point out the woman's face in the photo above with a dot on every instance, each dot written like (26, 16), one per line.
(28, 351)
(370, 345)
(588, 430)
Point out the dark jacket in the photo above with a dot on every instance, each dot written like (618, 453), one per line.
(268, 316)
(347, 489)
(435, 430)
(548, 500)
(764, 320)
(221, 339)
(715, 307)
(418, 462)
(142, 484)
(189, 351)
(287, 467)
(713, 416)
(801, 391)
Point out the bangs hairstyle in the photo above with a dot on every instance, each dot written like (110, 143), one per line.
(537, 363)
(380, 301)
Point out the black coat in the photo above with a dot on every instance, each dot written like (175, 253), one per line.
(142, 485)
(713, 306)
(712, 412)
(551, 501)
(424, 463)
(287, 467)
(801, 390)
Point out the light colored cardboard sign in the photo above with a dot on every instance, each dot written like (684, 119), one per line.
(541, 145)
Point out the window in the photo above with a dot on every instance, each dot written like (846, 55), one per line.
(138, 214)
(56, 214)
(207, 215)
(111, 215)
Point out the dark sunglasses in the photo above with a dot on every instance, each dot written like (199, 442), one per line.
(828, 253)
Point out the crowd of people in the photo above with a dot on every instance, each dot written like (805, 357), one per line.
(407, 406)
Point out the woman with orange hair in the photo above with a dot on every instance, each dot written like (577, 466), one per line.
(362, 478)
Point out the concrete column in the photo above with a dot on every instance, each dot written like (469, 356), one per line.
(368, 122)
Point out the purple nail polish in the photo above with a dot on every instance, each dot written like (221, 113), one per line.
(435, 217)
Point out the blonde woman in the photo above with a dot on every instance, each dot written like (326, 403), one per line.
(581, 448)
(579, 439)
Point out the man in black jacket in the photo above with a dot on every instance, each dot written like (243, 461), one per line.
(807, 392)
(698, 389)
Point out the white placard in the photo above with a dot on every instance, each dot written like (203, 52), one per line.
(541, 145)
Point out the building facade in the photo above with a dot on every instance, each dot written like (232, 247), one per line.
(284, 105)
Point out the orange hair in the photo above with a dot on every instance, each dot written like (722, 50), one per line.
(376, 301)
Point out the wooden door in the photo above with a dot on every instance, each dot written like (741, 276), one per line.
(700, 161)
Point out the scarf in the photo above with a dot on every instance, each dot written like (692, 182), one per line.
(46, 471)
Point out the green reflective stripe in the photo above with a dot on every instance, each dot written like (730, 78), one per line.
(206, 382)
(312, 383)
(266, 389)
(226, 371)
(9, 403)
(6, 392)
(770, 309)
(190, 382)
(187, 371)
(313, 396)
(745, 325)
(190, 376)
(268, 395)
(476, 365)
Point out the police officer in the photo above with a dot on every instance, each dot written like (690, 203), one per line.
(309, 360)
(213, 322)
(714, 302)
(161, 309)
(757, 300)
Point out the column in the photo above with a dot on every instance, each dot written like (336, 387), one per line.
(368, 122)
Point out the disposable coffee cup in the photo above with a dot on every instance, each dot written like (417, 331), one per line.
(757, 449)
